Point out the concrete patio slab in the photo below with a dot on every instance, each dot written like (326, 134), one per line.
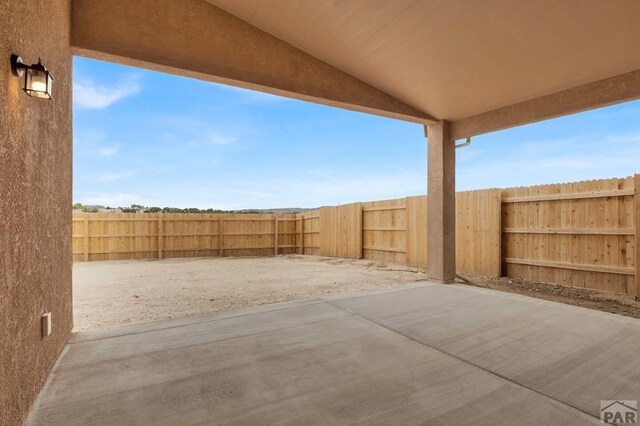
(438, 354)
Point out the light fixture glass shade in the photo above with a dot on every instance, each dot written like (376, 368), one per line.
(38, 82)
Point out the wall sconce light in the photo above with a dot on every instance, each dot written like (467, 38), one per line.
(38, 81)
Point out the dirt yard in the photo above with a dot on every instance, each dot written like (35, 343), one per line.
(114, 293)
(584, 297)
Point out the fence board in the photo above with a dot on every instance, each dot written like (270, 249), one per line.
(340, 230)
(311, 232)
(636, 246)
(416, 218)
(478, 241)
(384, 230)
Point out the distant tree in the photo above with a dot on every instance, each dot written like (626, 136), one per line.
(171, 210)
(138, 208)
(80, 206)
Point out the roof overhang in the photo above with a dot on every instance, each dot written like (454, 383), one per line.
(482, 65)
(196, 39)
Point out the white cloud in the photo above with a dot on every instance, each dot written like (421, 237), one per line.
(197, 132)
(113, 176)
(107, 151)
(551, 161)
(627, 138)
(113, 200)
(88, 136)
(569, 164)
(88, 94)
(213, 138)
(94, 141)
(309, 189)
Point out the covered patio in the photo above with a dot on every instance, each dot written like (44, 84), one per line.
(418, 353)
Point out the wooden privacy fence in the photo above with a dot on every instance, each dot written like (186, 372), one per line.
(582, 234)
(396, 231)
(114, 236)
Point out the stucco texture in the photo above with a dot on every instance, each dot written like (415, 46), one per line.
(35, 202)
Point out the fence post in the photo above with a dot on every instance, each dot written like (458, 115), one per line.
(221, 237)
(160, 235)
(86, 237)
(636, 215)
(302, 234)
(361, 231)
(275, 237)
(498, 204)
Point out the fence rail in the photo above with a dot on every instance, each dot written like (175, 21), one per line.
(582, 234)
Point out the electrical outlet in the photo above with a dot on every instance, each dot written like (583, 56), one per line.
(46, 324)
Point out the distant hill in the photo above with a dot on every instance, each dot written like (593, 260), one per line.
(137, 208)
(276, 211)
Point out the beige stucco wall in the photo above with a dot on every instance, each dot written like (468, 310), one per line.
(35, 202)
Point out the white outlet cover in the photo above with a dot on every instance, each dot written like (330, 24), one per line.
(46, 324)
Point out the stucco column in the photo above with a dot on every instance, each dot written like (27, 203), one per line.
(441, 209)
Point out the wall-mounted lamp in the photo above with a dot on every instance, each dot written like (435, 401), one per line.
(38, 81)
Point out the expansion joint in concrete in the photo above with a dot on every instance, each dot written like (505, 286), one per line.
(456, 357)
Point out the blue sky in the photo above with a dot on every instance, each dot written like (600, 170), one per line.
(160, 140)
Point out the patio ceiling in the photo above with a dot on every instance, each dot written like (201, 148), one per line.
(453, 59)
(458, 58)
(482, 65)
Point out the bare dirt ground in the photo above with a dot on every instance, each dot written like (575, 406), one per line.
(112, 293)
(587, 298)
